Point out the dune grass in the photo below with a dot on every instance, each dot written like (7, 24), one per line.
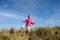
(39, 33)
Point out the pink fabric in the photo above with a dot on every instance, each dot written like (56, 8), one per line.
(28, 22)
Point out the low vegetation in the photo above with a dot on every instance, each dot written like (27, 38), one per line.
(39, 33)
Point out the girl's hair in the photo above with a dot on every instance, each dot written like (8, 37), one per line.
(28, 15)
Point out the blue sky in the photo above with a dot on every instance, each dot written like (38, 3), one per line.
(43, 12)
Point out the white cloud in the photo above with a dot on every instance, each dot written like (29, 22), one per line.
(11, 15)
(5, 6)
(38, 18)
(8, 15)
(52, 21)
(25, 4)
(0, 21)
(55, 18)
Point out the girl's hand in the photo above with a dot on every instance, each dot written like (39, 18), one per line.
(33, 23)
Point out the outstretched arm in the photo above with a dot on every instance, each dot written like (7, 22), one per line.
(32, 22)
(24, 21)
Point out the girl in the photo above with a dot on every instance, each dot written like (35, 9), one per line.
(28, 22)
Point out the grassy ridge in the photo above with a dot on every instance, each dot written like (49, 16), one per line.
(35, 34)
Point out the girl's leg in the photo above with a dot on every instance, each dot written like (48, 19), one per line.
(27, 30)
